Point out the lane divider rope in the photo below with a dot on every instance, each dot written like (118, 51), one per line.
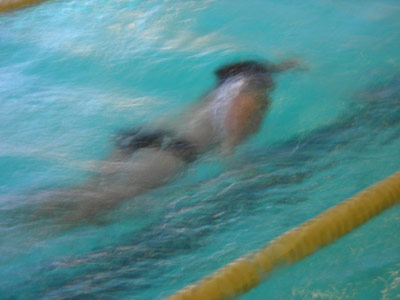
(246, 272)
(11, 5)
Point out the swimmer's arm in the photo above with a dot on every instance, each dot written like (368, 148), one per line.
(287, 65)
(244, 119)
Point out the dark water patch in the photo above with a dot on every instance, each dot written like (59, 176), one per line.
(372, 118)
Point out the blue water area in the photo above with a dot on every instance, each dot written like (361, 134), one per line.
(72, 73)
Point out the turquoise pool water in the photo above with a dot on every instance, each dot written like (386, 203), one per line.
(72, 73)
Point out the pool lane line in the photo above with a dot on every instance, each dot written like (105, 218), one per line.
(246, 272)
(12, 5)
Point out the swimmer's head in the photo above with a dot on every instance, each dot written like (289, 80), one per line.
(251, 69)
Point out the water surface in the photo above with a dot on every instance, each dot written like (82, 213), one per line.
(72, 73)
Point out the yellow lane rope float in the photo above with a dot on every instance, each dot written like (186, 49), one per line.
(246, 272)
(10, 5)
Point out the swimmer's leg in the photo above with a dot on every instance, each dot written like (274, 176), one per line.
(148, 168)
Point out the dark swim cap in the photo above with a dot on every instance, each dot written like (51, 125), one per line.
(259, 73)
(248, 68)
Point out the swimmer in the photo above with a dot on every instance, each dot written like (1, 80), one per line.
(148, 157)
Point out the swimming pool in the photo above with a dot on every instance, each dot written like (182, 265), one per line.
(72, 73)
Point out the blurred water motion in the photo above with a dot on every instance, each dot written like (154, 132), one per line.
(74, 73)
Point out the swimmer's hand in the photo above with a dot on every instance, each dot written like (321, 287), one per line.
(288, 64)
